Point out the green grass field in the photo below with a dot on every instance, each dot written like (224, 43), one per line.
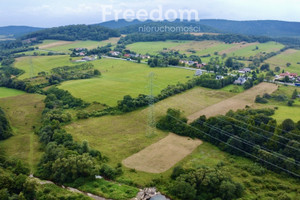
(233, 88)
(54, 45)
(153, 47)
(125, 134)
(262, 47)
(109, 189)
(120, 136)
(284, 111)
(120, 78)
(7, 92)
(289, 56)
(32, 65)
(23, 112)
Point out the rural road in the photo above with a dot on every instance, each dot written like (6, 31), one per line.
(234, 103)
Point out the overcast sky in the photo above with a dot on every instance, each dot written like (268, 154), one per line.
(42, 13)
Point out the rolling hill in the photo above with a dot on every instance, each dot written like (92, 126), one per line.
(17, 31)
(271, 28)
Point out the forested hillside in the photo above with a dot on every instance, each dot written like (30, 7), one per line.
(269, 28)
(74, 32)
(16, 31)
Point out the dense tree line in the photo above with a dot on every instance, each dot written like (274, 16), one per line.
(74, 32)
(65, 160)
(14, 181)
(57, 98)
(96, 51)
(82, 71)
(5, 129)
(207, 80)
(204, 183)
(7, 81)
(227, 38)
(244, 133)
(15, 184)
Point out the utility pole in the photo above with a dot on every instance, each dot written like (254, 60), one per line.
(151, 118)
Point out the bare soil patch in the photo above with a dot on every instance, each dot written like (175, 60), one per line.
(162, 155)
(236, 102)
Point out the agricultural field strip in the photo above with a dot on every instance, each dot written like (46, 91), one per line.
(237, 102)
(147, 155)
(172, 148)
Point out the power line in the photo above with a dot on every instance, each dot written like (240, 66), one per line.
(288, 171)
(250, 143)
(269, 125)
(258, 133)
(268, 138)
(265, 132)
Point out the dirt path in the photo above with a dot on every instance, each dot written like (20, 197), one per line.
(162, 155)
(43, 182)
(55, 44)
(234, 103)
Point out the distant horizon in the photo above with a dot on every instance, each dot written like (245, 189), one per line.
(25, 25)
(57, 13)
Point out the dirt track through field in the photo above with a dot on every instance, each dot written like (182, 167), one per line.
(234, 103)
(162, 155)
(238, 46)
(55, 44)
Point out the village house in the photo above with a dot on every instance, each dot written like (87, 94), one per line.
(127, 55)
(90, 58)
(144, 56)
(245, 70)
(114, 53)
(240, 81)
(288, 74)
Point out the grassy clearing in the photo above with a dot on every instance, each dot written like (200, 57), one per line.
(109, 189)
(120, 78)
(250, 50)
(123, 135)
(284, 111)
(7, 92)
(162, 155)
(154, 47)
(289, 56)
(23, 112)
(56, 192)
(243, 170)
(64, 46)
(203, 47)
(119, 137)
(233, 88)
(32, 65)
